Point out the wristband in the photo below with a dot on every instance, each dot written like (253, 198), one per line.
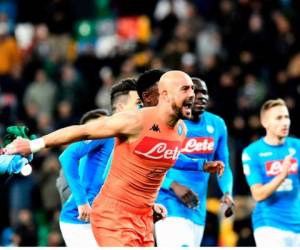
(37, 144)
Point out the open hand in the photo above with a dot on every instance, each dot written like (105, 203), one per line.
(19, 146)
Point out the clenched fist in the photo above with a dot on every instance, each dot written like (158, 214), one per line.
(213, 167)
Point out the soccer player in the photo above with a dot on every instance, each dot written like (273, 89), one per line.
(271, 167)
(206, 138)
(147, 87)
(148, 92)
(148, 142)
(83, 164)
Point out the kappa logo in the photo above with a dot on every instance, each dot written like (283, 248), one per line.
(265, 154)
(155, 128)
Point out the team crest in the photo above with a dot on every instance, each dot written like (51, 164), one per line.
(292, 151)
(210, 129)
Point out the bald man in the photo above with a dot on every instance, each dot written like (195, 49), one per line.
(148, 142)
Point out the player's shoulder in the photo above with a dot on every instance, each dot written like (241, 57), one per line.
(149, 114)
(254, 146)
(148, 110)
(133, 116)
(214, 119)
(293, 140)
(213, 116)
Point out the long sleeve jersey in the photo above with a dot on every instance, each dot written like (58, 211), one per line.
(83, 164)
(207, 140)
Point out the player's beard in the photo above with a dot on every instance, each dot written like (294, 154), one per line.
(182, 112)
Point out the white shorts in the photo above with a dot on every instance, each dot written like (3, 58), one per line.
(274, 237)
(178, 232)
(77, 235)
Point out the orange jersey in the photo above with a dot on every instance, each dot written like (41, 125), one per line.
(138, 168)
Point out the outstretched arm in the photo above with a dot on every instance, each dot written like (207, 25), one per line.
(127, 124)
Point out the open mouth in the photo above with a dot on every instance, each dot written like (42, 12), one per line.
(187, 105)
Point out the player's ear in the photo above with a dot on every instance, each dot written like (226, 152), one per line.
(164, 94)
(145, 96)
(119, 107)
(264, 120)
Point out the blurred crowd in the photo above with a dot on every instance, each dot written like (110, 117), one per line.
(59, 58)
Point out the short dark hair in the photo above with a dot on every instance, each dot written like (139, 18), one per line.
(122, 88)
(93, 114)
(198, 82)
(148, 79)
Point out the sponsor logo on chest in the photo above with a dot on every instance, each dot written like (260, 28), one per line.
(158, 149)
(273, 168)
(198, 145)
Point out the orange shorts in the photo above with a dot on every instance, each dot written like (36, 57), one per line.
(117, 224)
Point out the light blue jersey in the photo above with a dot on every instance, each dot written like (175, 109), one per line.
(86, 179)
(12, 164)
(261, 163)
(206, 139)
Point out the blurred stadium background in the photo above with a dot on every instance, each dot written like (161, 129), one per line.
(59, 58)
